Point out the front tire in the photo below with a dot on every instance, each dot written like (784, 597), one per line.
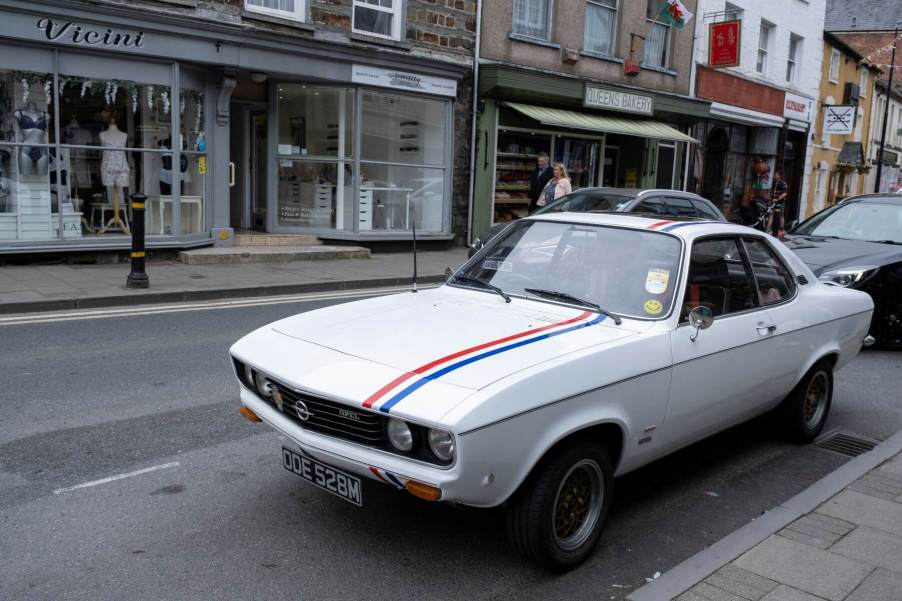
(804, 412)
(557, 516)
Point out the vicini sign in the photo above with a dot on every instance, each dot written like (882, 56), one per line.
(69, 31)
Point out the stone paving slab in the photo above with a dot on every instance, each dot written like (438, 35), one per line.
(866, 510)
(817, 530)
(873, 547)
(882, 585)
(786, 593)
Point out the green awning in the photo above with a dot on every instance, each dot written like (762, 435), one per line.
(589, 121)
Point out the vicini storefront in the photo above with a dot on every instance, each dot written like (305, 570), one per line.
(219, 130)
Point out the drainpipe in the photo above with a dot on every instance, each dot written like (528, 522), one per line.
(693, 74)
(473, 113)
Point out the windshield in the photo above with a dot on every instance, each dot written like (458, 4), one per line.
(862, 220)
(583, 202)
(632, 273)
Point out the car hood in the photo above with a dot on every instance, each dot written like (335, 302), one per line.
(825, 254)
(455, 340)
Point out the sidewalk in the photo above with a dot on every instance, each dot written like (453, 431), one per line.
(62, 287)
(840, 540)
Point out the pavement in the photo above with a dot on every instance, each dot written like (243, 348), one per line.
(839, 540)
(62, 287)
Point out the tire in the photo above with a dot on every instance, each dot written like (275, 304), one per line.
(804, 412)
(531, 514)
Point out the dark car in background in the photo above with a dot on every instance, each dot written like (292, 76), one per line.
(666, 203)
(858, 244)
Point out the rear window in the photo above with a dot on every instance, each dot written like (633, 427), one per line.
(704, 210)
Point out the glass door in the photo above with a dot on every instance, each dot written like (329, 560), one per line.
(581, 158)
(258, 170)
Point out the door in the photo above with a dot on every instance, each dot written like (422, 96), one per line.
(257, 170)
(580, 157)
(720, 378)
(611, 165)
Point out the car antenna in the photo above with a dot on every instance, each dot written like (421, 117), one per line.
(413, 222)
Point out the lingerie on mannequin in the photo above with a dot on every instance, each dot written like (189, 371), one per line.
(114, 169)
(32, 126)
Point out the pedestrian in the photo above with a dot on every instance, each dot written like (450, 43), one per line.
(538, 179)
(557, 186)
(778, 197)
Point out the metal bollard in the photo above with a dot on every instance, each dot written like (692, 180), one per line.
(138, 278)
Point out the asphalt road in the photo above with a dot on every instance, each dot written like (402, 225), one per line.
(217, 517)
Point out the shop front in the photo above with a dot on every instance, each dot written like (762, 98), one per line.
(220, 130)
(604, 136)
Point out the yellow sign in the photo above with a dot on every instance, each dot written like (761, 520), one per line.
(202, 166)
(653, 307)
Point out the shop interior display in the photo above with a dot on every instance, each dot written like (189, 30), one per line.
(516, 160)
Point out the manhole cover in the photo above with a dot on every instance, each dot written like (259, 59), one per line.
(845, 444)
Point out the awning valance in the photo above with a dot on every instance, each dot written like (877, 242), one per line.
(589, 121)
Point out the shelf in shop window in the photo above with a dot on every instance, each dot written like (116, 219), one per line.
(511, 201)
(514, 168)
(517, 155)
(519, 187)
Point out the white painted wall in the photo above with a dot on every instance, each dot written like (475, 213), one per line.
(804, 18)
(893, 138)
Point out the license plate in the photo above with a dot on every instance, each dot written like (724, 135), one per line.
(339, 483)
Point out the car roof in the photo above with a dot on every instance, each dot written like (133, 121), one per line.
(882, 196)
(688, 229)
(636, 192)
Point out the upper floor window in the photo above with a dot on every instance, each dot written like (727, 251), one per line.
(863, 82)
(532, 18)
(795, 55)
(764, 39)
(601, 24)
(378, 17)
(834, 65)
(289, 9)
(657, 40)
(732, 11)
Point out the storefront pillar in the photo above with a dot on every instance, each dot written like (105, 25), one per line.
(221, 169)
(486, 143)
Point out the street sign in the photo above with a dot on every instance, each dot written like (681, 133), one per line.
(724, 41)
(839, 119)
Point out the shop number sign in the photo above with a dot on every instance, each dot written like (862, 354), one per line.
(724, 44)
(618, 101)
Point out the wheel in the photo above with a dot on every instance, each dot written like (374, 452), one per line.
(804, 412)
(557, 516)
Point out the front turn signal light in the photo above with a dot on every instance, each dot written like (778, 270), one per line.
(423, 491)
(250, 415)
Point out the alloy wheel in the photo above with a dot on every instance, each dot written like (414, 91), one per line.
(578, 504)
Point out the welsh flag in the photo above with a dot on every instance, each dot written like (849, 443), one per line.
(675, 13)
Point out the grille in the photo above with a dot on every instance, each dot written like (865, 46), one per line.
(846, 444)
(329, 417)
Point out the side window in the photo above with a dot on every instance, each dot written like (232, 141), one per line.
(652, 205)
(680, 207)
(773, 280)
(704, 210)
(718, 278)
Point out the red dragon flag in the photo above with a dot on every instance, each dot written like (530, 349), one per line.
(675, 14)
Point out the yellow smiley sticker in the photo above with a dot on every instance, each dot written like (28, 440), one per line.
(653, 307)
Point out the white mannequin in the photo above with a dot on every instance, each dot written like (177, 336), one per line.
(114, 171)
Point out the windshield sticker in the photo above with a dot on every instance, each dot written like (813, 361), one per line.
(497, 265)
(656, 281)
(653, 307)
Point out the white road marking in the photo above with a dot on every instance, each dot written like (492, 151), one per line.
(200, 306)
(146, 470)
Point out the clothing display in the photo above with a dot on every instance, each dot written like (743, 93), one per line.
(80, 159)
(114, 169)
(34, 129)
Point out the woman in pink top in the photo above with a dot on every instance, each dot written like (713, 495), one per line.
(557, 186)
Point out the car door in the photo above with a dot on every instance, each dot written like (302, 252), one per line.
(720, 375)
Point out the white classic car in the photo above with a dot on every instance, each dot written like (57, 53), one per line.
(570, 350)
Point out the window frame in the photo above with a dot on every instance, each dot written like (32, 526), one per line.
(792, 58)
(668, 40)
(793, 282)
(747, 266)
(549, 16)
(833, 73)
(863, 78)
(761, 63)
(396, 11)
(615, 29)
(299, 14)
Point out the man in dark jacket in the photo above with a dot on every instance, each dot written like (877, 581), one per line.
(538, 179)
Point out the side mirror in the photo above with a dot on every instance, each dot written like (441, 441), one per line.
(448, 273)
(700, 318)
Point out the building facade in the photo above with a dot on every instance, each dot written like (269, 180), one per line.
(341, 118)
(840, 161)
(758, 63)
(601, 86)
(891, 174)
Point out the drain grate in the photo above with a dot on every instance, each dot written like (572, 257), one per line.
(845, 444)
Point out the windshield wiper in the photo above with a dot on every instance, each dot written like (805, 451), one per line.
(554, 294)
(885, 241)
(486, 285)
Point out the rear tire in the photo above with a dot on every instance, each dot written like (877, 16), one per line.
(557, 516)
(804, 412)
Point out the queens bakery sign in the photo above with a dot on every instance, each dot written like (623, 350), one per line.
(402, 80)
(70, 32)
(615, 100)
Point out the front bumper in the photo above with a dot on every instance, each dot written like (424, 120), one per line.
(456, 482)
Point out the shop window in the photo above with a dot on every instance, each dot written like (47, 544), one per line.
(378, 17)
(764, 42)
(863, 83)
(516, 157)
(657, 40)
(532, 18)
(773, 280)
(795, 56)
(834, 65)
(288, 9)
(315, 194)
(402, 169)
(601, 23)
(315, 121)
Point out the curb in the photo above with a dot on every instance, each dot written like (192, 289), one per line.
(153, 298)
(687, 574)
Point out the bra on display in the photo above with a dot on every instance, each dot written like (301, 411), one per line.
(26, 122)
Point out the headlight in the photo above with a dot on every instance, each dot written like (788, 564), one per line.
(441, 443)
(264, 387)
(399, 435)
(848, 276)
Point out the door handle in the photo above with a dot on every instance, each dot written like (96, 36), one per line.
(765, 329)
(231, 174)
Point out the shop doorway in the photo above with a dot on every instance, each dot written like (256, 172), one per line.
(715, 158)
(611, 167)
(247, 167)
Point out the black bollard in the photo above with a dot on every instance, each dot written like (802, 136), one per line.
(138, 278)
